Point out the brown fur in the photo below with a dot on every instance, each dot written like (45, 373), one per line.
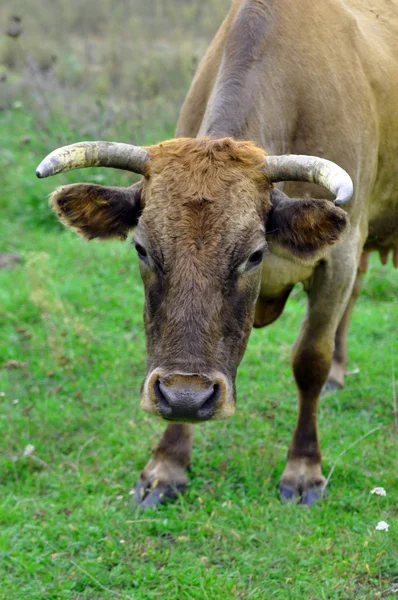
(205, 204)
(279, 73)
(304, 228)
(201, 212)
(97, 211)
(267, 311)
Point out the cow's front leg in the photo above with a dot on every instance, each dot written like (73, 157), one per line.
(302, 478)
(164, 476)
(312, 354)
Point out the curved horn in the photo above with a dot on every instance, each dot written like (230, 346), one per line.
(94, 154)
(297, 167)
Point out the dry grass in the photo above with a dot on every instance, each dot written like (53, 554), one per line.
(102, 64)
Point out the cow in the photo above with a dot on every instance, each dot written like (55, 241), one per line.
(246, 202)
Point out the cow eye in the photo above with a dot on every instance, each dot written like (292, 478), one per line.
(142, 253)
(255, 258)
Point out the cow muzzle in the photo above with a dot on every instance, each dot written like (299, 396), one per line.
(189, 398)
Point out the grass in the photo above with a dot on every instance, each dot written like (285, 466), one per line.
(70, 315)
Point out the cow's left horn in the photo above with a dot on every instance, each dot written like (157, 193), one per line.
(296, 167)
(94, 154)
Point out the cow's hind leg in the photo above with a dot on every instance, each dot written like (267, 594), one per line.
(337, 371)
(164, 476)
(302, 479)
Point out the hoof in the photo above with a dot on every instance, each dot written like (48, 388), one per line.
(302, 481)
(288, 494)
(307, 497)
(152, 495)
(312, 496)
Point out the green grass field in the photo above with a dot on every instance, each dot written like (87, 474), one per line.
(71, 315)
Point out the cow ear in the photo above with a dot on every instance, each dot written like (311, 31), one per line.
(303, 228)
(96, 210)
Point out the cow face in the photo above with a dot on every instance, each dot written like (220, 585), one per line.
(202, 212)
(200, 242)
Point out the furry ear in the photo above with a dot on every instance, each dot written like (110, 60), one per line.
(96, 210)
(303, 228)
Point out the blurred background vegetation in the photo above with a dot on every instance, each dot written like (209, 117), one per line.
(110, 68)
(72, 70)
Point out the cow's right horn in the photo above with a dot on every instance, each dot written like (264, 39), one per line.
(297, 167)
(94, 154)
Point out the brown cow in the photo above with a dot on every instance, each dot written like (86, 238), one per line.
(220, 247)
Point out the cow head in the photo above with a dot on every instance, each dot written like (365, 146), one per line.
(203, 215)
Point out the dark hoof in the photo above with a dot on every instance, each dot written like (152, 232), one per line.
(289, 494)
(311, 496)
(147, 495)
(330, 387)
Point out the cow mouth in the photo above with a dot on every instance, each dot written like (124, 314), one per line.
(190, 406)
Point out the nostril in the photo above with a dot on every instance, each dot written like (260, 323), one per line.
(208, 407)
(167, 393)
(202, 397)
(161, 397)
